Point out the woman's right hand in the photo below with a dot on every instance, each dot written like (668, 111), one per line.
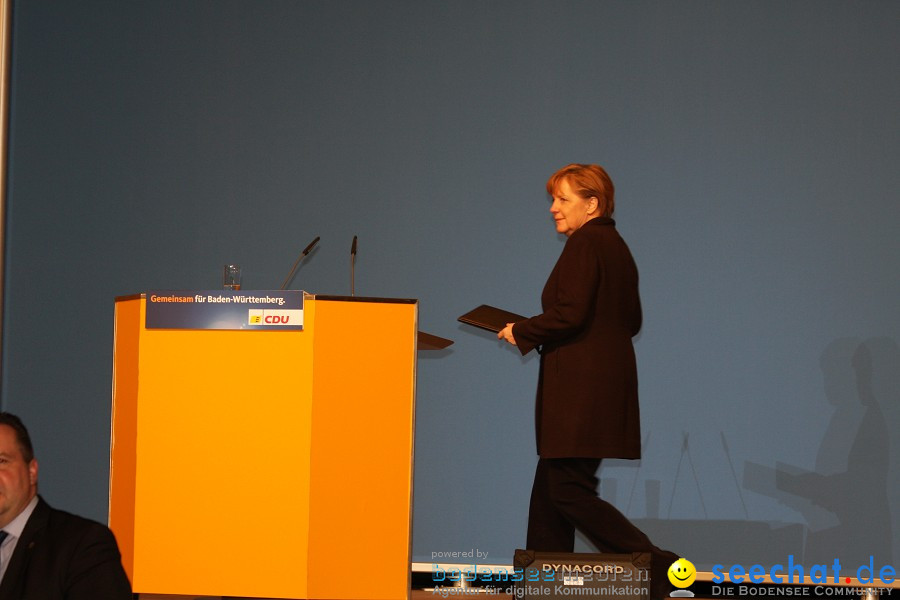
(507, 334)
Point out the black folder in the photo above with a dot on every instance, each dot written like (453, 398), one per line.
(490, 318)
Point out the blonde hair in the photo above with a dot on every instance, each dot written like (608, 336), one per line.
(587, 181)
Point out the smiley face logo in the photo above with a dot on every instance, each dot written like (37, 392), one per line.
(682, 573)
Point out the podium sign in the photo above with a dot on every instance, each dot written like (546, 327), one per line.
(218, 309)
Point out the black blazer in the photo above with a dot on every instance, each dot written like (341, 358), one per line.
(587, 397)
(61, 556)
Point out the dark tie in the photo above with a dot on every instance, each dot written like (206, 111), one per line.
(3, 535)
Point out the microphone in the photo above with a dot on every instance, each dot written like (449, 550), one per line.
(306, 251)
(352, 265)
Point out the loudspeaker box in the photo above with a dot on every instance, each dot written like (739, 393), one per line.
(570, 576)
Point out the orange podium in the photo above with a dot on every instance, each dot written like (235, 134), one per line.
(267, 464)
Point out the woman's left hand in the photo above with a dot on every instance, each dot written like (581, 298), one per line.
(507, 334)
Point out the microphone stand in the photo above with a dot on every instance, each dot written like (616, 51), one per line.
(353, 267)
(306, 251)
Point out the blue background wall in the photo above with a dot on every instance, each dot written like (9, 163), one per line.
(754, 147)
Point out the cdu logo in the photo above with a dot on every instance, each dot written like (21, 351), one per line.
(258, 316)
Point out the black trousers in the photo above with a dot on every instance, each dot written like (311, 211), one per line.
(564, 498)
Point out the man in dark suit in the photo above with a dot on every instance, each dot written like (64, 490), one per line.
(48, 554)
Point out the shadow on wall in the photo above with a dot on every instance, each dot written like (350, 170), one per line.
(844, 501)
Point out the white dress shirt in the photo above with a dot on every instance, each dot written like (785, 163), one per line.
(14, 530)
